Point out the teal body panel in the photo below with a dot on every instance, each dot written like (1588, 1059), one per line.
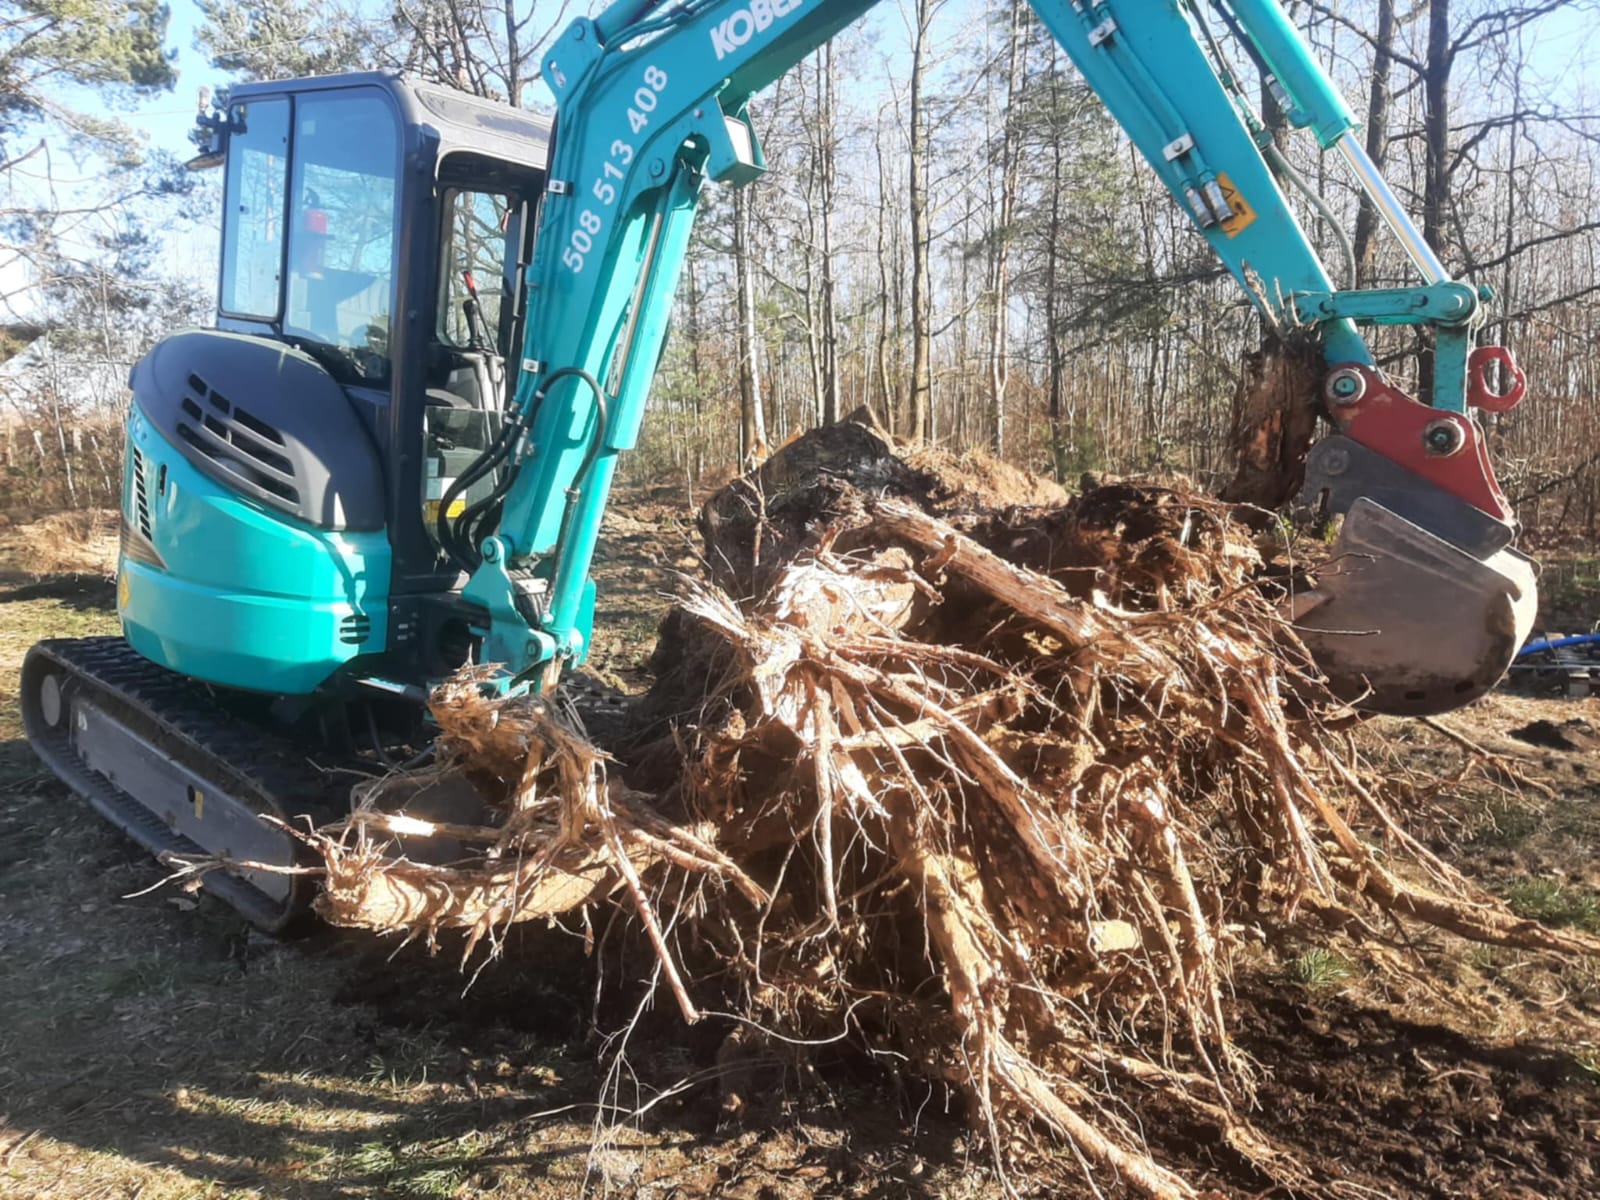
(218, 588)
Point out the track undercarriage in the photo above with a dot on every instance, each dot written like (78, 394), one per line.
(163, 760)
(179, 767)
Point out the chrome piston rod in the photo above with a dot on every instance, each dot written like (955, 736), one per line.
(1389, 208)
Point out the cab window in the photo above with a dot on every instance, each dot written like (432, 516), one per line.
(475, 232)
(343, 230)
(254, 190)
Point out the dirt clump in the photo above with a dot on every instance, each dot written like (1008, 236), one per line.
(1575, 734)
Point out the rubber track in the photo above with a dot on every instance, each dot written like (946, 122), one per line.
(181, 717)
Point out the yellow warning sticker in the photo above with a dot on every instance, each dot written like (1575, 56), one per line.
(199, 803)
(430, 508)
(1243, 215)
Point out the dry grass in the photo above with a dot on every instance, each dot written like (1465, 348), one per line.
(82, 542)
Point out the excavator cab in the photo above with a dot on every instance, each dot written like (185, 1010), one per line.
(374, 238)
(279, 582)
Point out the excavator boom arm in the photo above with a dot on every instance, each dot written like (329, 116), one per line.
(652, 101)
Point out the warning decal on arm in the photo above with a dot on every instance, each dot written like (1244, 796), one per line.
(1243, 214)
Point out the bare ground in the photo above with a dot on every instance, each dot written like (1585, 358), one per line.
(154, 1046)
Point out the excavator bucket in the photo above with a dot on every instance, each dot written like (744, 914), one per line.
(1402, 621)
(1425, 602)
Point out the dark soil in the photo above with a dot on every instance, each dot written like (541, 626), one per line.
(1408, 1109)
(151, 1045)
(1572, 734)
(1360, 1096)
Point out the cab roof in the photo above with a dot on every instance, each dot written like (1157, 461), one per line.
(463, 123)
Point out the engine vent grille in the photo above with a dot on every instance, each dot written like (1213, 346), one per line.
(355, 628)
(141, 495)
(243, 445)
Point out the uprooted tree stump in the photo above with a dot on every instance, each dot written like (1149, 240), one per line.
(942, 760)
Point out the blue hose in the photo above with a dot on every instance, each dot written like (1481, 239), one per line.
(1577, 639)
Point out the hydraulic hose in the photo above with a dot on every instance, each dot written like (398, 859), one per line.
(1543, 644)
(459, 539)
(472, 525)
(480, 466)
(1275, 157)
(1347, 250)
(451, 535)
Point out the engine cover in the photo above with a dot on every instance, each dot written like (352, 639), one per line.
(266, 421)
(254, 549)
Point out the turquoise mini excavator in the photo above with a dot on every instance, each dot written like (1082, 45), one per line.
(437, 322)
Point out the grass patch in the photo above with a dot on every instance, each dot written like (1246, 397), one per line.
(1320, 969)
(1579, 821)
(1582, 980)
(418, 1169)
(1553, 902)
(1588, 1060)
(404, 1063)
(1506, 826)
(25, 623)
(1485, 958)
(154, 976)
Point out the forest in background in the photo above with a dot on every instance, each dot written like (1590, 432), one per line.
(952, 233)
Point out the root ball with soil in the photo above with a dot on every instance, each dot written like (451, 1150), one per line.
(944, 762)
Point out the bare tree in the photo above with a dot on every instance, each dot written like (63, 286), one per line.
(1000, 236)
(752, 421)
(920, 409)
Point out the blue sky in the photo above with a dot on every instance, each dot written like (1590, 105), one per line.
(1564, 54)
(1563, 47)
(167, 118)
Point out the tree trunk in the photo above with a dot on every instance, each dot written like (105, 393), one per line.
(513, 57)
(1436, 139)
(999, 291)
(752, 426)
(696, 458)
(1055, 378)
(886, 309)
(1436, 125)
(827, 179)
(1377, 138)
(61, 432)
(918, 418)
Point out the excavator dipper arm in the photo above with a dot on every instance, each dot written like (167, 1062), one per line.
(1428, 603)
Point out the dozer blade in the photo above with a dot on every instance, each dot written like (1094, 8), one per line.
(1403, 622)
